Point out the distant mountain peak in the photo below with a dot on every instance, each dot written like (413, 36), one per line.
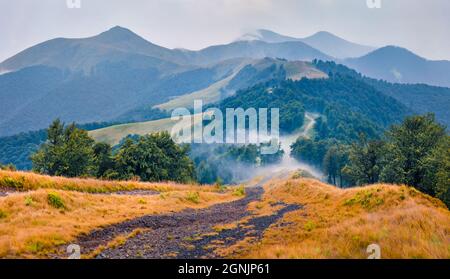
(395, 51)
(324, 33)
(119, 28)
(393, 48)
(118, 33)
(266, 36)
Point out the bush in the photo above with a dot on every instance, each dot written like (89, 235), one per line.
(193, 197)
(29, 201)
(8, 167)
(2, 214)
(309, 226)
(239, 191)
(17, 184)
(55, 200)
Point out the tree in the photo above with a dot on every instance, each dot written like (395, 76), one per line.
(437, 176)
(408, 153)
(415, 153)
(310, 151)
(67, 152)
(103, 159)
(334, 161)
(154, 157)
(364, 165)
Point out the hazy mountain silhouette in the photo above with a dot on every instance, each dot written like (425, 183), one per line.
(400, 65)
(325, 42)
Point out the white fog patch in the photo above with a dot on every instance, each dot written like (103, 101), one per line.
(289, 164)
(397, 75)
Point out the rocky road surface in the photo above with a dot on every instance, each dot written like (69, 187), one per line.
(188, 234)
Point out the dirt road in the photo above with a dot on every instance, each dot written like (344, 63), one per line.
(188, 234)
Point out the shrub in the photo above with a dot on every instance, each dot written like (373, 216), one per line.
(142, 201)
(55, 200)
(8, 167)
(239, 191)
(17, 184)
(309, 226)
(29, 201)
(219, 185)
(193, 197)
(35, 246)
(2, 214)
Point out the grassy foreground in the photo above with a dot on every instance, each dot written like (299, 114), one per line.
(51, 211)
(44, 212)
(336, 223)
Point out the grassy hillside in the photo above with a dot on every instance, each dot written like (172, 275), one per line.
(247, 74)
(114, 134)
(49, 211)
(211, 94)
(336, 223)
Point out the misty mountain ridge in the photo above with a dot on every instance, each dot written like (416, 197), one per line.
(118, 44)
(106, 76)
(323, 41)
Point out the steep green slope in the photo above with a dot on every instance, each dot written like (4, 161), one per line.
(247, 74)
(349, 105)
(419, 98)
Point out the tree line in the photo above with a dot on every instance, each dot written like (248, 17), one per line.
(415, 153)
(70, 151)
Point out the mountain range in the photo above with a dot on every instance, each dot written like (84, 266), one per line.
(115, 73)
(322, 41)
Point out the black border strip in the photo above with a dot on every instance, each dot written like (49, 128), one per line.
(170, 268)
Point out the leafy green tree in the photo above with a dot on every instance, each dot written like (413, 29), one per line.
(103, 159)
(67, 152)
(410, 146)
(334, 161)
(364, 165)
(415, 153)
(437, 176)
(154, 157)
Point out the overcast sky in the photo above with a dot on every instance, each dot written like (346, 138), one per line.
(419, 25)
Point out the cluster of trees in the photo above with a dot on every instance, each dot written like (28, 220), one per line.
(422, 98)
(70, 151)
(17, 149)
(414, 153)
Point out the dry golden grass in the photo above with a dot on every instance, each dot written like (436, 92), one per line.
(26, 181)
(34, 223)
(336, 223)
